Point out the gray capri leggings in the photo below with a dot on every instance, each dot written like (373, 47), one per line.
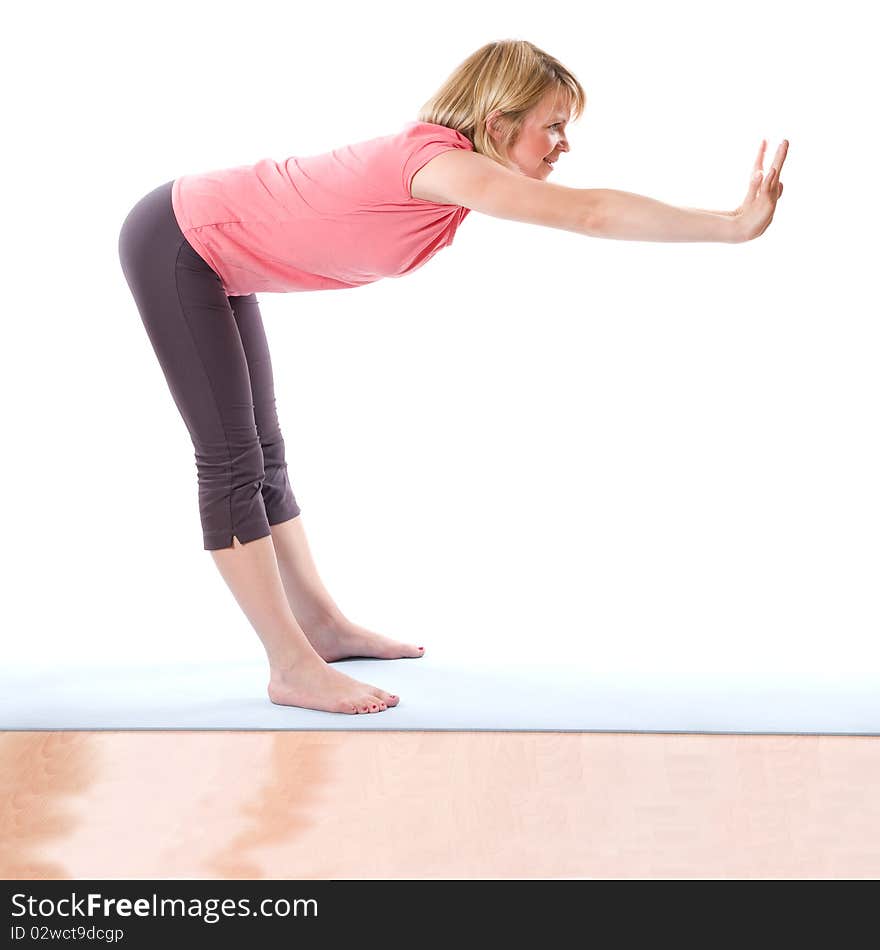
(215, 357)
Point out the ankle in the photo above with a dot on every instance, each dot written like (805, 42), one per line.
(291, 662)
(320, 618)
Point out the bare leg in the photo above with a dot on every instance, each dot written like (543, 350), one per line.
(298, 675)
(306, 594)
(331, 634)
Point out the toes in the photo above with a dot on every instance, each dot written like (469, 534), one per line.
(370, 704)
(388, 698)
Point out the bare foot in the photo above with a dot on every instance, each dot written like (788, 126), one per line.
(313, 685)
(340, 638)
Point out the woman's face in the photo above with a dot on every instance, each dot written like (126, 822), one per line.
(542, 137)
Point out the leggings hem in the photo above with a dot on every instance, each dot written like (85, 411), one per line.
(252, 531)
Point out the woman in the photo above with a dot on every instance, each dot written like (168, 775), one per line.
(196, 250)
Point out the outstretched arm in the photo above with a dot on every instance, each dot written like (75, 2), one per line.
(475, 181)
(623, 216)
(628, 217)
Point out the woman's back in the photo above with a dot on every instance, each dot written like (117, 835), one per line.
(335, 220)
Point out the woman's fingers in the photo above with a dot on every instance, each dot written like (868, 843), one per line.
(759, 161)
(772, 181)
(754, 185)
(757, 210)
(768, 183)
(781, 152)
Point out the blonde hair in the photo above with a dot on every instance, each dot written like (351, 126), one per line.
(510, 77)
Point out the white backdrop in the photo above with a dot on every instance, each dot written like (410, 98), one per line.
(540, 447)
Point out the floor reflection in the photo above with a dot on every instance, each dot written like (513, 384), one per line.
(285, 800)
(287, 805)
(39, 773)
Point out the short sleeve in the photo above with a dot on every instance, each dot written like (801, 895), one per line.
(423, 141)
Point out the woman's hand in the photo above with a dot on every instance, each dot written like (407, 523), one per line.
(754, 215)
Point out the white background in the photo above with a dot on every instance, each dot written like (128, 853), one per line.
(539, 449)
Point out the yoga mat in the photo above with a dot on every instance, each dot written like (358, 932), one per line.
(445, 696)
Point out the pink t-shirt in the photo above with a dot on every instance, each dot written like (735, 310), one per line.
(324, 222)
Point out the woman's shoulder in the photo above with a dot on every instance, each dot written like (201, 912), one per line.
(439, 179)
(432, 132)
(431, 143)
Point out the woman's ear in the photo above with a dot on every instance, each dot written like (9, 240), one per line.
(492, 126)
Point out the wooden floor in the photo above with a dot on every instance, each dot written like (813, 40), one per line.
(437, 805)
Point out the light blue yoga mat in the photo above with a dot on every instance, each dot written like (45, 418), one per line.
(232, 695)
